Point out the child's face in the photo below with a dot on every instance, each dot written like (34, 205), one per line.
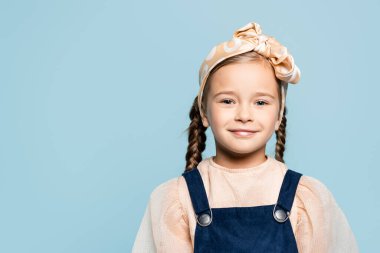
(243, 108)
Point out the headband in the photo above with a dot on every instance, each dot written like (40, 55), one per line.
(245, 39)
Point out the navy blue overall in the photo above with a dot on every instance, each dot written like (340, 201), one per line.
(243, 229)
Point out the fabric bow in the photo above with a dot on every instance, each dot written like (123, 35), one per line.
(269, 47)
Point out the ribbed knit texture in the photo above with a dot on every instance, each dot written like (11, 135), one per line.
(318, 223)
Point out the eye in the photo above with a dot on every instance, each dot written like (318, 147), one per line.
(228, 100)
(262, 102)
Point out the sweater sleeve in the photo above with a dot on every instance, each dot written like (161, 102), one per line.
(322, 226)
(164, 227)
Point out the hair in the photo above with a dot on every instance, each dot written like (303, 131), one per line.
(196, 130)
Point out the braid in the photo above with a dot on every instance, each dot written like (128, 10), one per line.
(281, 139)
(197, 138)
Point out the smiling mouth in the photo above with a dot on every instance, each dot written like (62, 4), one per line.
(243, 133)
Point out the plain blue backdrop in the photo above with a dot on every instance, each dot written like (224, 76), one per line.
(95, 96)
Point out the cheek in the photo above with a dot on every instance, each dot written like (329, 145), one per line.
(268, 117)
(219, 116)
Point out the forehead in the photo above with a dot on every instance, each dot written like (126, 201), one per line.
(245, 77)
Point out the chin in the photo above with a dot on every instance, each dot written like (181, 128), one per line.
(241, 149)
(245, 151)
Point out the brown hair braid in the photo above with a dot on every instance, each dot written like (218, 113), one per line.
(196, 130)
(197, 138)
(281, 138)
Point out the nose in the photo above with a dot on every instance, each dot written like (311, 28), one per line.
(244, 112)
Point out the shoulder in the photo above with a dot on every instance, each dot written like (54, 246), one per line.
(164, 200)
(310, 188)
(165, 193)
(163, 188)
(314, 200)
(164, 227)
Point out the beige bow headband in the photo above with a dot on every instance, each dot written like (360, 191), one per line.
(248, 38)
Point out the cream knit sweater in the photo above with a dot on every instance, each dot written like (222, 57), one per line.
(318, 223)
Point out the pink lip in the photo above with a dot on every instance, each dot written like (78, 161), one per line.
(242, 133)
(242, 130)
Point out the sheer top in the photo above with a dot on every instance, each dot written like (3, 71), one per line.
(318, 223)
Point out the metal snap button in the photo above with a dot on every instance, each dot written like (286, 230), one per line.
(204, 219)
(280, 215)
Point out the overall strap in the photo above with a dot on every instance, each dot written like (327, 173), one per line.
(288, 189)
(197, 190)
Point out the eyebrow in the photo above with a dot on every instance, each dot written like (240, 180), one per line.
(260, 93)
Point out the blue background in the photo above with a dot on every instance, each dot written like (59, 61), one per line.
(95, 96)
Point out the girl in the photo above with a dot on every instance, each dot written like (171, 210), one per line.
(241, 199)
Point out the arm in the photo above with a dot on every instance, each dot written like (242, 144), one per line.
(144, 240)
(164, 227)
(322, 226)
